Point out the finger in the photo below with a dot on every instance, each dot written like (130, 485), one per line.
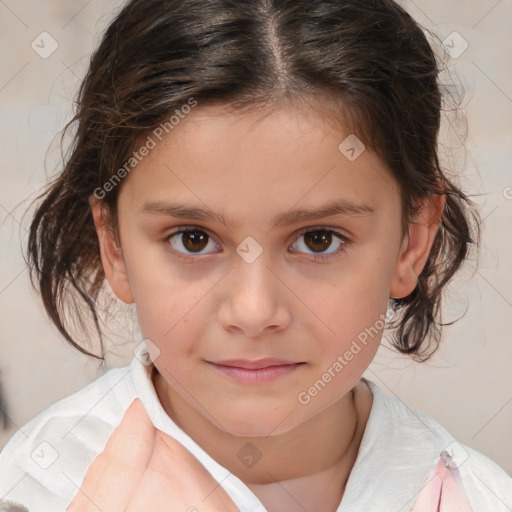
(176, 480)
(115, 474)
(170, 482)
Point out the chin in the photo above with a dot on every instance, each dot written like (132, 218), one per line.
(251, 425)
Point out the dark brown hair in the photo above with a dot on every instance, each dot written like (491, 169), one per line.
(368, 58)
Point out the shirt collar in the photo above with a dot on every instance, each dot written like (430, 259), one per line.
(391, 449)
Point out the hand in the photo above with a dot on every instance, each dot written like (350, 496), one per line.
(143, 469)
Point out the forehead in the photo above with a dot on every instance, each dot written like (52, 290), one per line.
(267, 161)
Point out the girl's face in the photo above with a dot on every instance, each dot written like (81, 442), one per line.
(261, 275)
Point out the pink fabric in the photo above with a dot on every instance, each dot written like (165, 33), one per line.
(444, 490)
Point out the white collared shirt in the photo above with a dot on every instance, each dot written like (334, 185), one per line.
(44, 463)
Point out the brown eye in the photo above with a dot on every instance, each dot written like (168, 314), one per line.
(189, 241)
(194, 240)
(318, 241)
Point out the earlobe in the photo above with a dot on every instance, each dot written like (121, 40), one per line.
(417, 246)
(111, 255)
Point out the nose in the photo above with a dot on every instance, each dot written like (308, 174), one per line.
(255, 298)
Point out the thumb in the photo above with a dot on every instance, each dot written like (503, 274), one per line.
(133, 439)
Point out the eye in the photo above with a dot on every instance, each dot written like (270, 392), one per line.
(321, 238)
(190, 241)
(187, 243)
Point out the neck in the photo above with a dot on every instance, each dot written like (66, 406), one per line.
(325, 444)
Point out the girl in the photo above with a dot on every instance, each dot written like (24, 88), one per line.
(260, 179)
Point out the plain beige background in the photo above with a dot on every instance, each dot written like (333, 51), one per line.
(467, 386)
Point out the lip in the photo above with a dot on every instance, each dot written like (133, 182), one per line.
(256, 364)
(255, 372)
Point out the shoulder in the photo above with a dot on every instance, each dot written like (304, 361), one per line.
(418, 440)
(45, 461)
(488, 486)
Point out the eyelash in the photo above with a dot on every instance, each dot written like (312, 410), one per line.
(314, 229)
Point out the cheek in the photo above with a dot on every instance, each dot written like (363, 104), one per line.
(351, 302)
(164, 310)
(163, 293)
(349, 314)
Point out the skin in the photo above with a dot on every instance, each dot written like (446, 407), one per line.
(144, 476)
(216, 306)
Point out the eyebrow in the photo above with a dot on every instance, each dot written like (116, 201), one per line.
(191, 212)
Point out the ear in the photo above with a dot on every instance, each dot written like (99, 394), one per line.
(417, 245)
(111, 255)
